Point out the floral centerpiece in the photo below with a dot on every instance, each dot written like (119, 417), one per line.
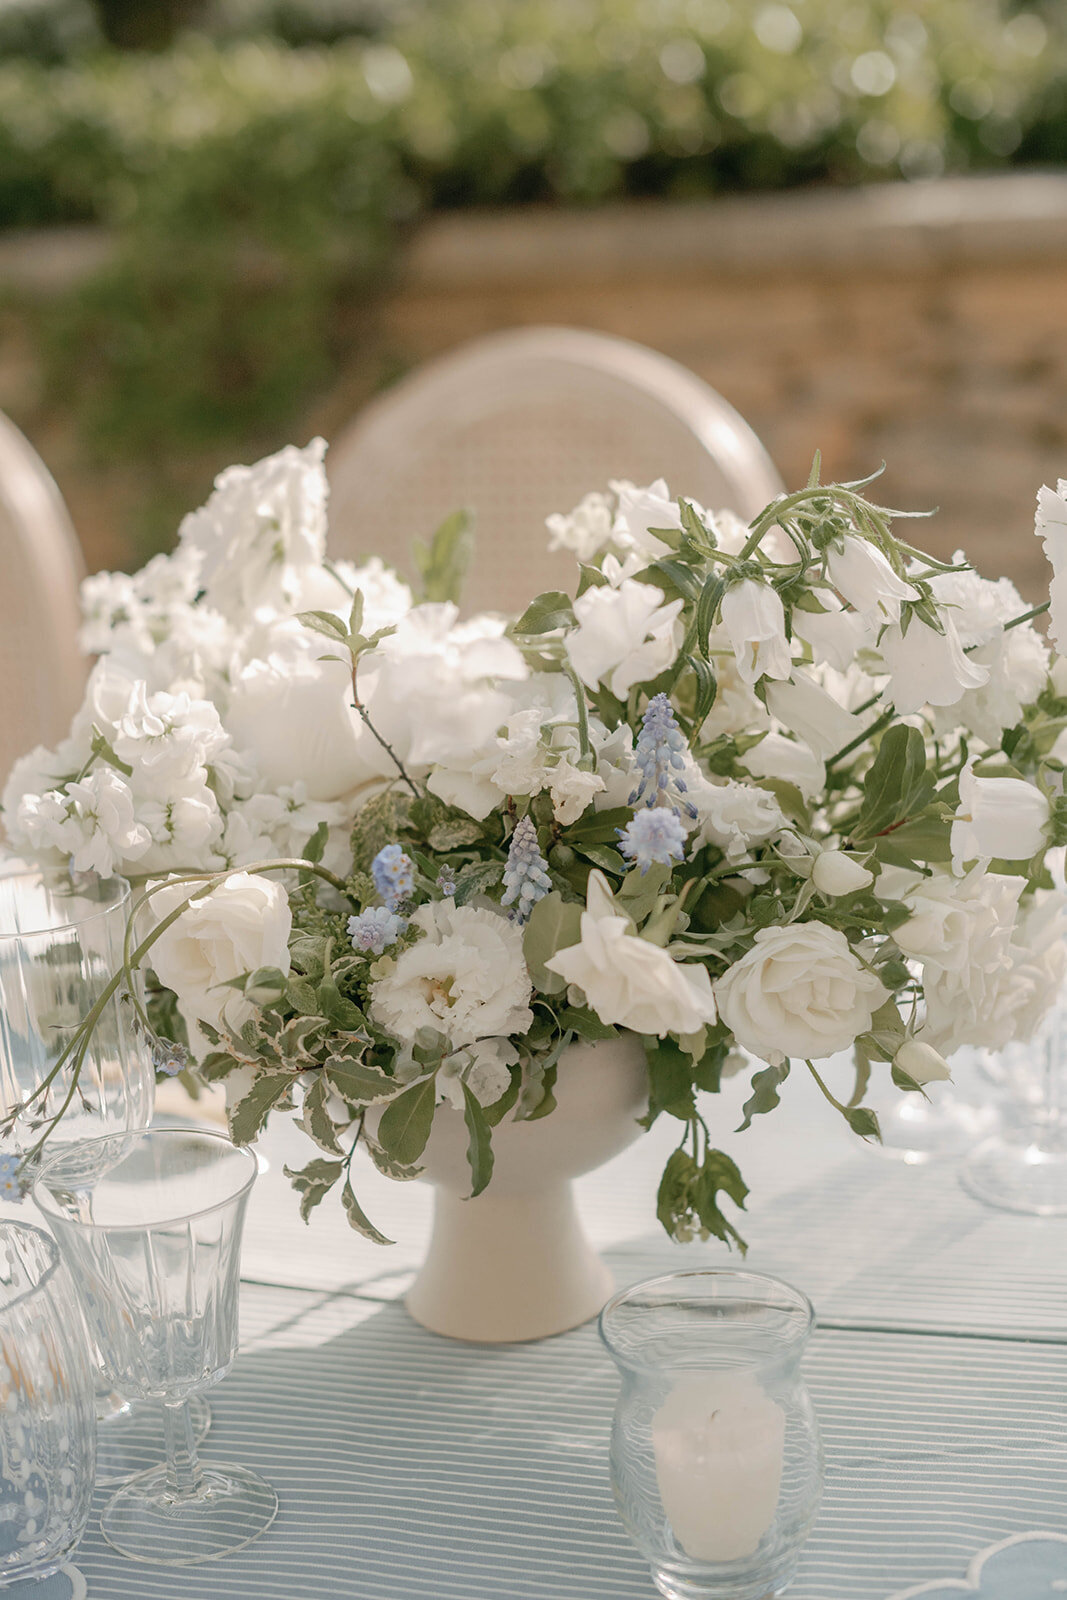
(756, 793)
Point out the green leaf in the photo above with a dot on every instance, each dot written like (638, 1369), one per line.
(385, 1163)
(719, 1174)
(476, 879)
(335, 1008)
(103, 752)
(357, 1217)
(897, 784)
(359, 1083)
(315, 848)
(326, 623)
(706, 688)
(480, 1146)
(454, 833)
(247, 1117)
(602, 856)
(407, 1120)
(314, 1182)
(316, 1120)
(599, 827)
(302, 997)
(585, 1023)
(355, 616)
(904, 1080)
(670, 1082)
(495, 1113)
(554, 925)
(672, 1197)
(550, 610)
(639, 891)
(862, 1120)
(764, 1096)
(444, 561)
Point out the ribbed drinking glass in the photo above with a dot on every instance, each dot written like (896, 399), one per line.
(60, 945)
(715, 1455)
(150, 1225)
(47, 1427)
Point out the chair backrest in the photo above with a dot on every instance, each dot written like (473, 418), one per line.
(42, 672)
(520, 424)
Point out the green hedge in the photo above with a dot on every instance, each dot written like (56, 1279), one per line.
(251, 183)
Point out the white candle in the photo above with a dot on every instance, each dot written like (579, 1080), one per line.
(719, 1442)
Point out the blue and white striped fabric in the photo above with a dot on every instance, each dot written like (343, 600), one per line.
(412, 1468)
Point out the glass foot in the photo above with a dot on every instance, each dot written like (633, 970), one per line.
(231, 1507)
(1027, 1174)
(130, 1440)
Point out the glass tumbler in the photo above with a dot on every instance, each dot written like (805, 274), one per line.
(47, 1428)
(60, 945)
(1023, 1168)
(150, 1225)
(716, 1461)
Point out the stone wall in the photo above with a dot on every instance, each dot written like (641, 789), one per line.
(924, 325)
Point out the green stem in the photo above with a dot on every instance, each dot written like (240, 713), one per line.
(368, 724)
(584, 742)
(1028, 616)
(835, 1103)
(861, 738)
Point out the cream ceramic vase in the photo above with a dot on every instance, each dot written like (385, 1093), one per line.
(514, 1263)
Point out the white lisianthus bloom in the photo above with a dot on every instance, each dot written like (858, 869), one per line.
(262, 526)
(862, 575)
(921, 1062)
(999, 818)
(628, 981)
(806, 709)
(754, 619)
(466, 978)
(1050, 525)
(624, 636)
(835, 872)
(778, 757)
(638, 511)
(800, 991)
(730, 814)
(927, 668)
(240, 926)
(585, 531)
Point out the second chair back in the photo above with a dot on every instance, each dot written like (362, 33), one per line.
(521, 424)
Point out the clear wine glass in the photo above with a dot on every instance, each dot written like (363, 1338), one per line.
(1024, 1167)
(47, 1430)
(60, 945)
(151, 1227)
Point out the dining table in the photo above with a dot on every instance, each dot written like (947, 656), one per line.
(413, 1467)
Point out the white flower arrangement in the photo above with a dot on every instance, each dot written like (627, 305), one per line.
(786, 788)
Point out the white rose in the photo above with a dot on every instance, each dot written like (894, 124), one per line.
(1050, 525)
(921, 1062)
(927, 668)
(806, 709)
(836, 872)
(959, 924)
(241, 925)
(800, 991)
(624, 636)
(754, 619)
(628, 981)
(731, 815)
(861, 573)
(466, 978)
(999, 818)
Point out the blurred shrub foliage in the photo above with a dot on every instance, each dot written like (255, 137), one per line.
(259, 167)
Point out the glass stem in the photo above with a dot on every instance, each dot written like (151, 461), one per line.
(183, 1463)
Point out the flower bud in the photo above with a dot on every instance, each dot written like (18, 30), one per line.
(921, 1062)
(836, 873)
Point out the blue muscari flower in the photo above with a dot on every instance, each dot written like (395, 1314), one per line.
(526, 878)
(656, 835)
(660, 756)
(168, 1057)
(10, 1186)
(394, 875)
(374, 930)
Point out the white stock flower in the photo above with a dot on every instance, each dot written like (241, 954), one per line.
(1050, 525)
(999, 818)
(260, 528)
(926, 667)
(624, 636)
(466, 978)
(627, 980)
(862, 575)
(101, 805)
(386, 598)
(240, 926)
(1017, 658)
(800, 991)
(637, 512)
(835, 872)
(585, 531)
(730, 814)
(167, 740)
(806, 709)
(754, 619)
